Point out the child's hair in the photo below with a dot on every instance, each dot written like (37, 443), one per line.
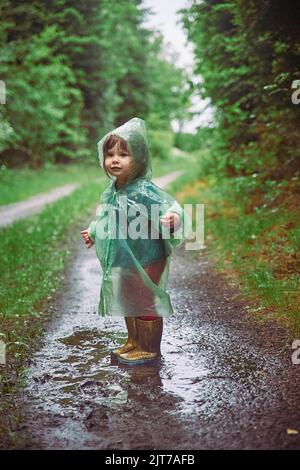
(139, 168)
(111, 141)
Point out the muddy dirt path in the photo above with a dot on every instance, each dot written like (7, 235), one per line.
(222, 382)
(19, 210)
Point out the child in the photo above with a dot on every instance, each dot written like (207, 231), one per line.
(135, 262)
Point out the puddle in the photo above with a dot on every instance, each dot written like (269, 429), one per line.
(213, 387)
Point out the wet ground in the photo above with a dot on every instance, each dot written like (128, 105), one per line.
(223, 382)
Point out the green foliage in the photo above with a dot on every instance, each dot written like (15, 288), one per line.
(257, 249)
(247, 53)
(42, 104)
(170, 90)
(202, 139)
(161, 143)
(76, 69)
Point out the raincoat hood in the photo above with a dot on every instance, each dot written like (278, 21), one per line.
(135, 134)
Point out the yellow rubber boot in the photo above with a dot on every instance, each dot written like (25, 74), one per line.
(131, 342)
(149, 333)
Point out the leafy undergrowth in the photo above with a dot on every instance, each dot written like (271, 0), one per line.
(252, 232)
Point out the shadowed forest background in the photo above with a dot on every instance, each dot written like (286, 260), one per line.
(73, 70)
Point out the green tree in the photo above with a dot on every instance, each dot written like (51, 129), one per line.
(75, 69)
(247, 52)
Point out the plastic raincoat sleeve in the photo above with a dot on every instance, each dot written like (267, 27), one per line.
(92, 230)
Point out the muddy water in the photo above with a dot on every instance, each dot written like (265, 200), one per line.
(222, 382)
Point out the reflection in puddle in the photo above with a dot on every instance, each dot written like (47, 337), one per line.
(89, 371)
(74, 371)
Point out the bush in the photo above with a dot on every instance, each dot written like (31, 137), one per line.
(161, 143)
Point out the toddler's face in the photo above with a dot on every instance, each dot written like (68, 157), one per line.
(118, 163)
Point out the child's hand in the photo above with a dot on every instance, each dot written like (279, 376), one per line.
(88, 241)
(171, 220)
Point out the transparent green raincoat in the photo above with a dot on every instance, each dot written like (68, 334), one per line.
(132, 245)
